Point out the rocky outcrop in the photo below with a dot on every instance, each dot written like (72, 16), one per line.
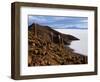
(49, 47)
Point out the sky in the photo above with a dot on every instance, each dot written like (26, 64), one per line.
(59, 22)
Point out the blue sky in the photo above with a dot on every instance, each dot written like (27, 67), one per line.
(59, 22)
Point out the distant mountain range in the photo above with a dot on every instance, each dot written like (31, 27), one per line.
(69, 28)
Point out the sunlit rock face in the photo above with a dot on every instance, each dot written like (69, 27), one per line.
(46, 46)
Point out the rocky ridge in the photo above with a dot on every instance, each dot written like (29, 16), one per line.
(49, 47)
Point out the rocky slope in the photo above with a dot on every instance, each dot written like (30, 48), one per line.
(49, 47)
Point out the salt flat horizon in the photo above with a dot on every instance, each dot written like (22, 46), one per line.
(79, 46)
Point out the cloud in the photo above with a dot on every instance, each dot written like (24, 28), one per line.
(59, 18)
(59, 21)
(36, 19)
